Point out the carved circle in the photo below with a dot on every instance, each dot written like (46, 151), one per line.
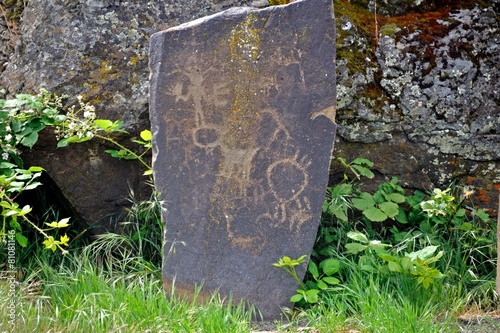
(287, 179)
(206, 137)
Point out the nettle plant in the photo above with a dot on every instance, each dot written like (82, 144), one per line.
(21, 119)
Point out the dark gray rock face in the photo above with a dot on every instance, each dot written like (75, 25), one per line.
(96, 49)
(424, 103)
(242, 110)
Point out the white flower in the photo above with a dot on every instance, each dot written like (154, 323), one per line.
(90, 134)
(89, 114)
(5, 156)
(8, 137)
(80, 97)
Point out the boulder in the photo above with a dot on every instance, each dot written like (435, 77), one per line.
(97, 49)
(421, 98)
(242, 114)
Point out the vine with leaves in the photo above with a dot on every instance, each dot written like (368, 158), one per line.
(21, 119)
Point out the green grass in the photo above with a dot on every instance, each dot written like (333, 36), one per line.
(84, 296)
(114, 285)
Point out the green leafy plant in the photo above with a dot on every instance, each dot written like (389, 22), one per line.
(21, 119)
(338, 198)
(76, 129)
(322, 275)
(288, 265)
(415, 263)
(383, 204)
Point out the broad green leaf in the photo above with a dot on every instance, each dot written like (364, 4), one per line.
(15, 224)
(62, 143)
(61, 224)
(387, 257)
(355, 248)
(368, 268)
(396, 197)
(313, 269)
(50, 243)
(15, 186)
(60, 118)
(103, 123)
(25, 210)
(23, 241)
(30, 140)
(35, 169)
(5, 204)
(362, 161)
(358, 236)
(394, 266)
(327, 251)
(482, 215)
(296, 298)
(331, 280)
(364, 171)
(311, 296)
(467, 226)
(330, 266)
(115, 127)
(7, 165)
(406, 263)
(32, 186)
(16, 126)
(322, 285)
(378, 197)
(339, 213)
(401, 217)
(374, 214)
(364, 201)
(390, 209)
(146, 135)
(423, 254)
(378, 246)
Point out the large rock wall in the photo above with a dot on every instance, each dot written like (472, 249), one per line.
(99, 50)
(421, 100)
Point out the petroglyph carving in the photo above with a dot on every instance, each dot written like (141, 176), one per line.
(238, 98)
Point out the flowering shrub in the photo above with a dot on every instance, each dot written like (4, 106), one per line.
(21, 119)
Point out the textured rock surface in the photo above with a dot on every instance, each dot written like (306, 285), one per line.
(422, 100)
(96, 49)
(242, 110)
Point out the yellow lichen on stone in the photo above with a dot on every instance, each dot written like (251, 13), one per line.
(244, 53)
(279, 2)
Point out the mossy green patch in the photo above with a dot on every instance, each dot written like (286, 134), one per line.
(389, 30)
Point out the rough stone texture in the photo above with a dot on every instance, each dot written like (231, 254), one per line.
(424, 103)
(242, 110)
(97, 49)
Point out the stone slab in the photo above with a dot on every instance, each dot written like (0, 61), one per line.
(242, 108)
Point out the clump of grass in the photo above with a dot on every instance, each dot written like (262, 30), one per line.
(84, 295)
